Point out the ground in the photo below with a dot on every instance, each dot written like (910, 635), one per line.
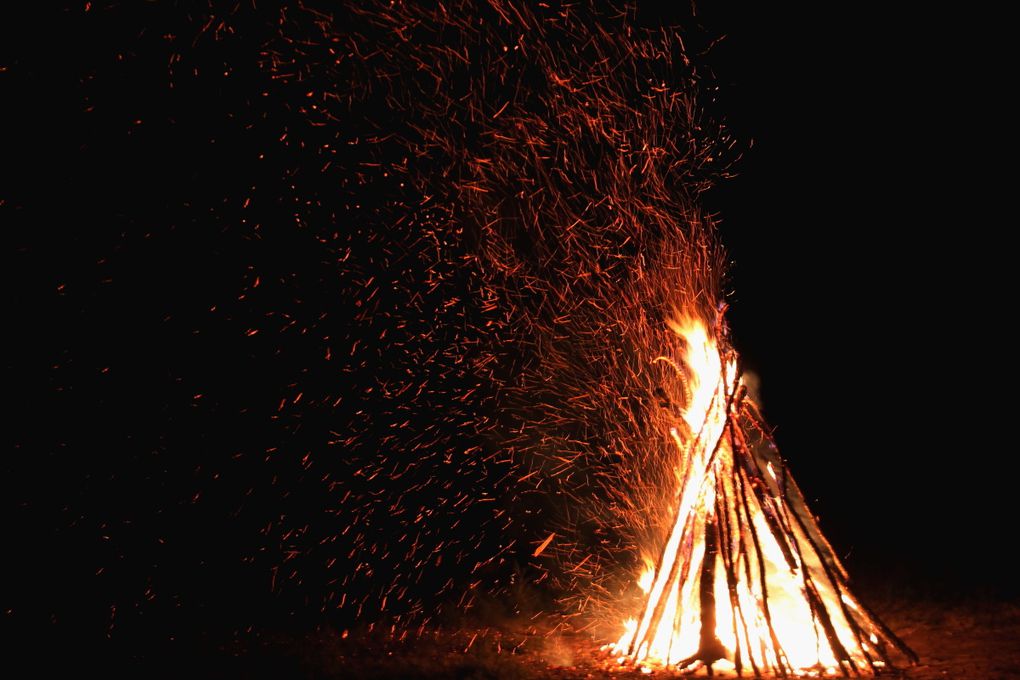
(977, 639)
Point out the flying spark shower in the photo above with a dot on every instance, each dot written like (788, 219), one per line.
(542, 166)
(469, 328)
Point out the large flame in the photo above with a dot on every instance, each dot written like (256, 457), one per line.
(764, 584)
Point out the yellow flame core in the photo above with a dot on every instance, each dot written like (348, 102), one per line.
(708, 461)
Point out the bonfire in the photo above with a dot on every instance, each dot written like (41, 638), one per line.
(746, 580)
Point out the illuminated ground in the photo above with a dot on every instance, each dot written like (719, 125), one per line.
(972, 640)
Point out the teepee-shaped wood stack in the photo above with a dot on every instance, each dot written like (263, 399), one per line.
(746, 581)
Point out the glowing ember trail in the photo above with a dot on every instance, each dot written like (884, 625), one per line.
(745, 580)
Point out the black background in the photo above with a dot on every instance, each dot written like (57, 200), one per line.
(859, 225)
(862, 228)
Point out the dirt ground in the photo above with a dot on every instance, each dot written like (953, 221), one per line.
(972, 640)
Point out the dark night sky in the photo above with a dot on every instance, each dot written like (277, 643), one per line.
(857, 225)
(860, 228)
